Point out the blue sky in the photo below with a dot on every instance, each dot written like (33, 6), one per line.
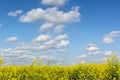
(66, 31)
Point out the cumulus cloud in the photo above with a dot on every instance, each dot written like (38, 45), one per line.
(53, 21)
(51, 28)
(109, 38)
(91, 48)
(90, 58)
(51, 15)
(46, 57)
(81, 56)
(101, 57)
(15, 13)
(54, 2)
(58, 29)
(46, 27)
(14, 56)
(24, 51)
(46, 44)
(94, 54)
(50, 43)
(108, 53)
(11, 39)
(63, 43)
(61, 37)
(42, 38)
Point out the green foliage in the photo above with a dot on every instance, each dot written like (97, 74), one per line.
(103, 71)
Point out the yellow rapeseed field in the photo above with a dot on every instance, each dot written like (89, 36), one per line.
(91, 71)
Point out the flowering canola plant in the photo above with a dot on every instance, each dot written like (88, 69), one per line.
(91, 71)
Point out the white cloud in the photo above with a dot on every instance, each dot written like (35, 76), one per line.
(46, 27)
(42, 38)
(46, 57)
(113, 34)
(50, 42)
(53, 20)
(81, 56)
(63, 43)
(23, 56)
(15, 13)
(58, 29)
(51, 15)
(11, 39)
(50, 27)
(108, 53)
(109, 38)
(14, 56)
(54, 2)
(61, 37)
(91, 47)
(94, 52)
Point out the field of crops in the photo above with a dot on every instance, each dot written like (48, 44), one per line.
(91, 71)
